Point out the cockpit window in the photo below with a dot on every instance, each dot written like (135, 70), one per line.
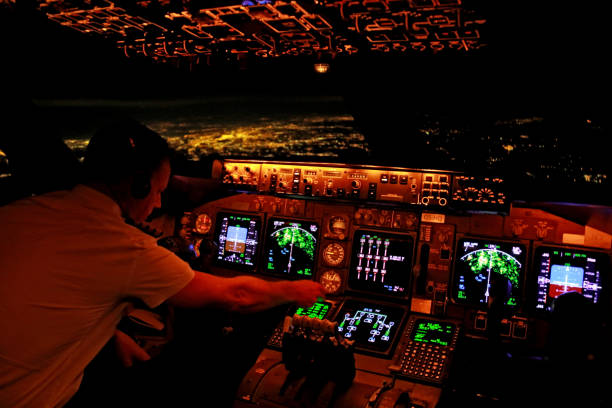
(306, 128)
(4, 165)
(462, 88)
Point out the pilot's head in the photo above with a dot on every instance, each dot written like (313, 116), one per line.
(131, 163)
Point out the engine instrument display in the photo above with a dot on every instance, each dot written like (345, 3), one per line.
(374, 327)
(237, 238)
(381, 262)
(291, 246)
(482, 263)
(562, 270)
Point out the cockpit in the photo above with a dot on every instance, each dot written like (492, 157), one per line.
(449, 194)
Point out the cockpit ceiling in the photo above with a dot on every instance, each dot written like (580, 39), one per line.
(264, 29)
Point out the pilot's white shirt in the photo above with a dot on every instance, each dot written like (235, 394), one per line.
(68, 266)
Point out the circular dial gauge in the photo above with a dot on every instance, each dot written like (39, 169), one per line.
(333, 254)
(331, 281)
(203, 223)
(337, 226)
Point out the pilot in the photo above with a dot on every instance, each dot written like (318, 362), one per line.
(70, 267)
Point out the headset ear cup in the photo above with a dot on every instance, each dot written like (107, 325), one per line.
(141, 186)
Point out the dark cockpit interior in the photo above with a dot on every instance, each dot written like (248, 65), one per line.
(439, 166)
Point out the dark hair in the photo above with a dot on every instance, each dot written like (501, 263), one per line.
(124, 148)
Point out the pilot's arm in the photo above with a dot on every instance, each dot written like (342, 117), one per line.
(244, 293)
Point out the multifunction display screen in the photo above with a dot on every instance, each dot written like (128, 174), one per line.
(562, 270)
(317, 311)
(372, 326)
(426, 331)
(237, 238)
(381, 262)
(484, 266)
(291, 247)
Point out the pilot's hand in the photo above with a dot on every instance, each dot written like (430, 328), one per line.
(306, 292)
(128, 350)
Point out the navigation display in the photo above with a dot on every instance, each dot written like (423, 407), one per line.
(381, 262)
(562, 270)
(237, 238)
(482, 263)
(372, 326)
(291, 246)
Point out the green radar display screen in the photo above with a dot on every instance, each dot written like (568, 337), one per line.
(291, 247)
(484, 266)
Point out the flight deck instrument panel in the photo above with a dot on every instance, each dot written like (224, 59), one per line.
(482, 263)
(237, 237)
(429, 346)
(381, 262)
(333, 181)
(562, 269)
(373, 326)
(409, 263)
(291, 247)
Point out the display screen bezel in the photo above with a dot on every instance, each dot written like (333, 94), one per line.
(266, 247)
(354, 304)
(448, 336)
(232, 265)
(603, 260)
(409, 239)
(519, 291)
